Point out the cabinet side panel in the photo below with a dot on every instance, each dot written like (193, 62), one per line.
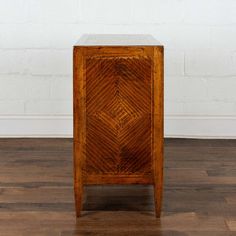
(118, 114)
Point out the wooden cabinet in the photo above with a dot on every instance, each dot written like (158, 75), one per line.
(118, 113)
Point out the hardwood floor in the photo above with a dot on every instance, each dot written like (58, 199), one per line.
(36, 193)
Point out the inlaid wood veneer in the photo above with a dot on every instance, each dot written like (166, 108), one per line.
(118, 113)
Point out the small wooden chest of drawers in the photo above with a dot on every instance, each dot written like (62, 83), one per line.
(118, 113)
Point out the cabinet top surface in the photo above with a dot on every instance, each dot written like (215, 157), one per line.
(117, 40)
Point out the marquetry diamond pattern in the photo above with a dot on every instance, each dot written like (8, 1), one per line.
(118, 122)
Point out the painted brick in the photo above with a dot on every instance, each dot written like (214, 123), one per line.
(234, 60)
(13, 11)
(222, 89)
(209, 63)
(173, 88)
(61, 88)
(106, 11)
(158, 11)
(38, 87)
(13, 87)
(212, 12)
(36, 39)
(173, 108)
(174, 63)
(210, 107)
(50, 62)
(185, 89)
(48, 107)
(13, 61)
(223, 37)
(194, 89)
(8, 107)
(59, 11)
(182, 37)
(44, 36)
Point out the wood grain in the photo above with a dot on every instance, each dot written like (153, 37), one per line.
(158, 127)
(79, 126)
(32, 205)
(118, 117)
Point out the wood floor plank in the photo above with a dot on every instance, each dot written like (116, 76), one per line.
(36, 193)
(231, 224)
(231, 199)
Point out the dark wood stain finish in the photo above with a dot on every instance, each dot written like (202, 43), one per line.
(118, 113)
(36, 193)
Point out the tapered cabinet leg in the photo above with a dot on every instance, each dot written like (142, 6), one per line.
(158, 179)
(78, 181)
(78, 198)
(158, 184)
(158, 200)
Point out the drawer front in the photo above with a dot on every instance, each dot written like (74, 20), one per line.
(118, 102)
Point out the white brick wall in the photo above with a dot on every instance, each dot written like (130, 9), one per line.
(106, 11)
(210, 12)
(13, 61)
(158, 11)
(13, 11)
(36, 39)
(209, 63)
(50, 62)
(41, 107)
(174, 63)
(13, 87)
(57, 11)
